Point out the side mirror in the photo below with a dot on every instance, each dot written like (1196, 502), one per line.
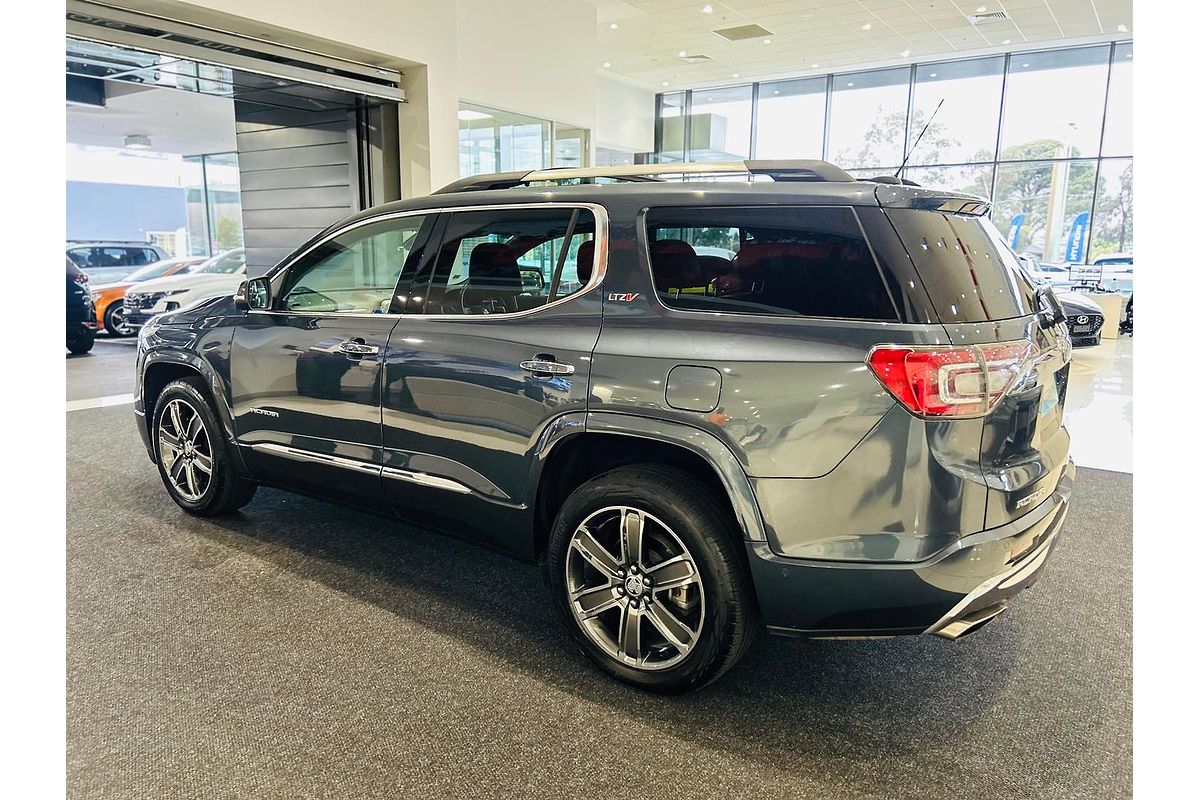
(254, 293)
(1051, 309)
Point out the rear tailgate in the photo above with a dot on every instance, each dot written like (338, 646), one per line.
(976, 289)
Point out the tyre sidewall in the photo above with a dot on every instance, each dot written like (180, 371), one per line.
(696, 528)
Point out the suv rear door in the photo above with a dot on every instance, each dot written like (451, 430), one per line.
(483, 360)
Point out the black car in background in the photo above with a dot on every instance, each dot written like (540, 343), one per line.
(81, 313)
(1085, 319)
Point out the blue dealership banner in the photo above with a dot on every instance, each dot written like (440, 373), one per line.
(1014, 230)
(1077, 237)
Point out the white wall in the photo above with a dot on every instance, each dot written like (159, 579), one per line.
(536, 57)
(624, 115)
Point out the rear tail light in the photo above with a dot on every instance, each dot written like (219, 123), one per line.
(81, 278)
(943, 381)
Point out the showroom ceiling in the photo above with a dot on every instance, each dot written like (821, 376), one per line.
(819, 36)
(187, 123)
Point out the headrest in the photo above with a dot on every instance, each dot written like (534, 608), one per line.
(674, 264)
(493, 263)
(584, 259)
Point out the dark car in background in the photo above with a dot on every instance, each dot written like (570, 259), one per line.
(81, 313)
(1085, 318)
(842, 419)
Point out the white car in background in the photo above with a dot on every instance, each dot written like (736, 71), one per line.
(218, 277)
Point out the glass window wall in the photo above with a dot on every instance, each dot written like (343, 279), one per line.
(1057, 188)
(867, 118)
(791, 119)
(720, 124)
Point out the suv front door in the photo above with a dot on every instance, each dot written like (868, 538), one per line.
(489, 351)
(305, 374)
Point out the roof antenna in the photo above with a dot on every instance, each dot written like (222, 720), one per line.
(919, 135)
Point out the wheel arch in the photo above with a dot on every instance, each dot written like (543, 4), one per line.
(160, 372)
(602, 442)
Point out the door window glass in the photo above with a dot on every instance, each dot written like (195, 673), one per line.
(810, 262)
(502, 262)
(355, 272)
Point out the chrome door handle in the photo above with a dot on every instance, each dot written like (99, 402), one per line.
(354, 348)
(551, 367)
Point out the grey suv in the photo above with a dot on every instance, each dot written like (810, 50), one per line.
(827, 405)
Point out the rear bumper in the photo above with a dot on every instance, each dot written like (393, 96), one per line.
(950, 594)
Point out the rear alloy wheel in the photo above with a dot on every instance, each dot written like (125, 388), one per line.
(194, 460)
(642, 601)
(646, 572)
(114, 321)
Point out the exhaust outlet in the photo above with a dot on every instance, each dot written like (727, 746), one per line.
(971, 622)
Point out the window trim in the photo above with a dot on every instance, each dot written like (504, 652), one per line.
(599, 259)
(643, 233)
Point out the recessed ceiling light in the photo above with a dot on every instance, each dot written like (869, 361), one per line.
(1007, 41)
(1129, 55)
(613, 26)
(776, 91)
(905, 53)
(851, 83)
(1123, 28)
(666, 83)
(683, 53)
(707, 9)
(933, 74)
(607, 64)
(815, 65)
(981, 9)
(735, 75)
(866, 26)
(1025, 65)
(766, 41)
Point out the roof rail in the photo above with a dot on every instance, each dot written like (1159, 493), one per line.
(779, 170)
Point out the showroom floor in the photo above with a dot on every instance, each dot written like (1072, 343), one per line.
(303, 650)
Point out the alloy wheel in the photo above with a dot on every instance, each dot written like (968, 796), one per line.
(185, 447)
(119, 326)
(634, 588)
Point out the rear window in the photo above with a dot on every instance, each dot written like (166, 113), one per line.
(797, 261)
(968, 270)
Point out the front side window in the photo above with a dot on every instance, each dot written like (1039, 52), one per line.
(354, 272)
(511, 260)
(799, 262)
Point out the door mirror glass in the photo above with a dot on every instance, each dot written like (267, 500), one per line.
(254, 294)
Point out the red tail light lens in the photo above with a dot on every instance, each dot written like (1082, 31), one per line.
(80, 278)
(943, 381)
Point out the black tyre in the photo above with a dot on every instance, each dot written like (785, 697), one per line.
(645, 570)
(194, 460)
(82, 343)
(114, 321)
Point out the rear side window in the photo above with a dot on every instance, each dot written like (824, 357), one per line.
(794, 261)
(968, 270)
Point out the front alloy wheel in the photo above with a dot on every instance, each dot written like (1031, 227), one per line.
(194, 459)
(634, 588)
(185, 447)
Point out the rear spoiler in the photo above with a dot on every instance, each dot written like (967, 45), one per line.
(892, 196)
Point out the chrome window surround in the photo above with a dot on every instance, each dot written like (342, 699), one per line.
(599, 259)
